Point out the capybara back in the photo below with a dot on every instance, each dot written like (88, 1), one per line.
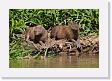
(36, 34)
(65, 32)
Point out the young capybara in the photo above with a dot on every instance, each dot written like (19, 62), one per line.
(69, 32)
(36, 34)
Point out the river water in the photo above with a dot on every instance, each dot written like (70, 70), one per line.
(57, 62)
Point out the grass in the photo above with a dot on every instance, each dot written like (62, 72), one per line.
(88, 20)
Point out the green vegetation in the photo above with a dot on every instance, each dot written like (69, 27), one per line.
(88, 20)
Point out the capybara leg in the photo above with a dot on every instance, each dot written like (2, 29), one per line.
(77, 44)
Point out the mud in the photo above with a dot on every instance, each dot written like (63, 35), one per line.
(89, 47)
(61, 55)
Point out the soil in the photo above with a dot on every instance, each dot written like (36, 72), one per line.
(66, 57)
(89, 47)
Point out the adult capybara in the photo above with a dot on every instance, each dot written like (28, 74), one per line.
(69, 32)
(36, 34)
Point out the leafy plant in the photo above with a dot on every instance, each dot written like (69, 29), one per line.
(88, 20)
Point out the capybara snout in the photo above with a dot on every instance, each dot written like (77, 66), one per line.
(69, 32)
(36, 34)
(65, 32)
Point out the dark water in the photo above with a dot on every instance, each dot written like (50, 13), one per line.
(57, 62)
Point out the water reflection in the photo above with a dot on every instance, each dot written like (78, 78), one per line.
(57, 62)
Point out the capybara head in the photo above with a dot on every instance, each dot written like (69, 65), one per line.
(73, 25)
(36, 34)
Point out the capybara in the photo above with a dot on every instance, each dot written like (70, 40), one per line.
(69, 32)
(36, 34)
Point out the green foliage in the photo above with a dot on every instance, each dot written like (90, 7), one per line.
(18, 48)
(88, 20)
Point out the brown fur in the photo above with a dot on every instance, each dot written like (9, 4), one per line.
(65, 32)
(70, 32)
(36, 34)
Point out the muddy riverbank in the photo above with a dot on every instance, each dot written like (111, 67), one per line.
(89, 57)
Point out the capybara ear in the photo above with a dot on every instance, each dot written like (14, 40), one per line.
(73, 25)
(70, 22)
(73, 22)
